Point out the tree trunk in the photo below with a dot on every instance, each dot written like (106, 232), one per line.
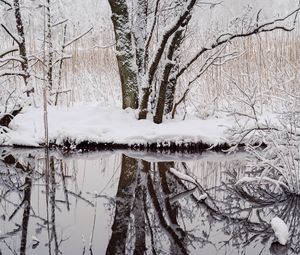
(7, 118)
(174, 46)
(50, 46)
(144, 103)
(125, 197)
(26, 212)
(138, 211)
(140, 35)
(22, 45)
(181, 21)
(170, 95)
(162, 95)
(125, 55)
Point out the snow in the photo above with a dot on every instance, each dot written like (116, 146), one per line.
(203, 197)
(103, 124)
(35, 239)
(11, 58)
(182, 176)
(7, 51)
(280, 229)
(11, 72)
(166, 156)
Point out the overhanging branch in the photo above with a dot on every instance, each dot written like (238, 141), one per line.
(11, 34)
(226, 37)
(6, 3)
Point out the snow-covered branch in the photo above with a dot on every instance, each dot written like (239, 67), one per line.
(255, 29)
(77, 38)
(64, 57)
(166, 35)
(8, 51)
(6, 3)
(147, 44)
(12, 58)
(14, 37)
(59, 22)
(7, 72)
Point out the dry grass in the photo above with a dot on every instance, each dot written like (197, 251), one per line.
(270, 62)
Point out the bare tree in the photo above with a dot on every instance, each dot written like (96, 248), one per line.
(21, 59)
(139, 34)
(45, 65)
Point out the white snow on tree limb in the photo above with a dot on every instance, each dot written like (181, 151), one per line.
(64, 57)
(77, 37)
(281, 230)
(35, 239)
(11, 72)
(262, 180)
(183, 176)
(7, 51)
(203, 197)
(11, 58)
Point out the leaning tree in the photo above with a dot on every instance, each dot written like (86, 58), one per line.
(150, 38)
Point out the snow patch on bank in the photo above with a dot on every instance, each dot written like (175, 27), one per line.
(281, 230)
(95, 123)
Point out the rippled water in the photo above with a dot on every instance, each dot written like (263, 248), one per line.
(131, 203)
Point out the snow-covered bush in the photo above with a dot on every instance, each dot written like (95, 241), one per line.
(273, 146)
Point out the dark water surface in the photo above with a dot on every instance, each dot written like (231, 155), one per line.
(131, 203)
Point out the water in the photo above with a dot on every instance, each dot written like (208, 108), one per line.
(131, 203)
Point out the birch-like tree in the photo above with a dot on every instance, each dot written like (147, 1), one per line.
(149, 43)
(8, 60)
(30, 64)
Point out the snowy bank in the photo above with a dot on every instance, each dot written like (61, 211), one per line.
(110, 125)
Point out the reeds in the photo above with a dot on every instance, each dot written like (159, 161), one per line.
(269, 62)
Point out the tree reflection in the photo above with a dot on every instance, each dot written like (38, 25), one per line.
(172, 205)
(18, 176)
(155, 211)
(124, 203)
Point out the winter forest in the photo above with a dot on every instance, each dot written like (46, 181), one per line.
(149, 127)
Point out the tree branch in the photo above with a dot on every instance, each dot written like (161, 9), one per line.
(180, 22)
(10, 34)
(181, 19)
(7, 59)
(11, 72)
(226, 37)
(151, 32)
(5, 52)
(77, 38)
(7, 3)
(210, 61)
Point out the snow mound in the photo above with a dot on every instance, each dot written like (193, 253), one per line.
(95, 123)
(108, 124)
(281, 230)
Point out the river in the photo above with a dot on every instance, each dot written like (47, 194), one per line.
(126, 202)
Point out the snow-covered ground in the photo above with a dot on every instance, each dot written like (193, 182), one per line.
(100, 124)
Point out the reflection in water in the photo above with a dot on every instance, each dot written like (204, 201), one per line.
(116, 204)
